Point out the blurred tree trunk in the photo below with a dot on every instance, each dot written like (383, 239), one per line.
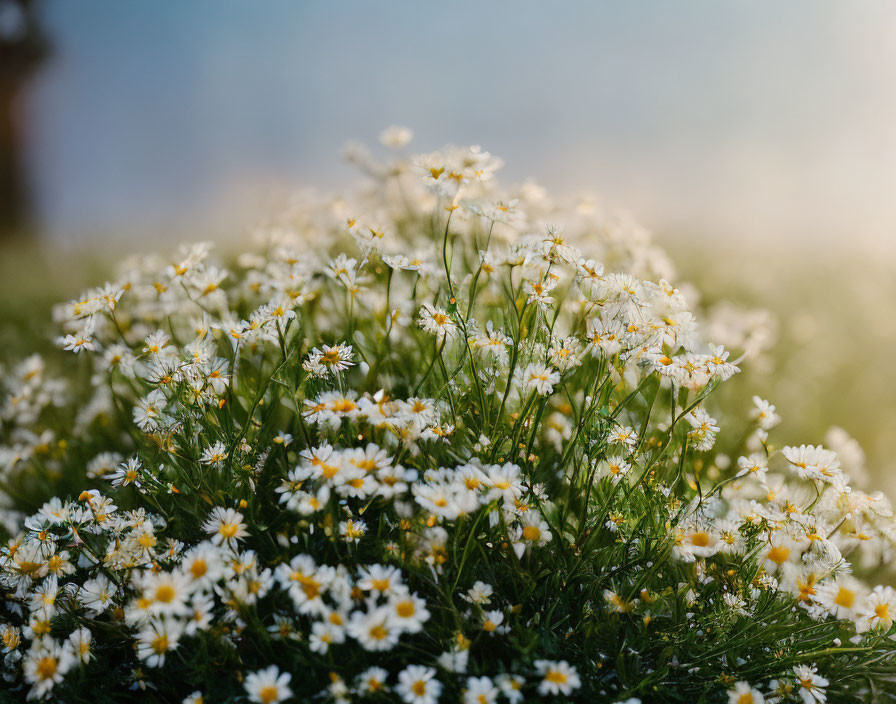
(23, 48)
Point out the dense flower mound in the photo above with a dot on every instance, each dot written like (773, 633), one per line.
(422, 447)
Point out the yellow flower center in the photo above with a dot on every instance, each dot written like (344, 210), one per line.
(269, 694)
(845, 598)
(46, 667)
(778, 554)
(531, 533)
(228, 530)
(165, 594)
(556, 677)
(700, 540)
(160, 645)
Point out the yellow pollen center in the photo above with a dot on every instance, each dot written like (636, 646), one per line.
(269, 694)
(531, 533)
(228, 530)
(556, 677)
(46, 667)
(845, 598)
(160, 645)
(165, 594)
(700, 540)
(778, 554)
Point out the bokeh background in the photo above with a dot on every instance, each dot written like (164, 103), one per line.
(757, 139)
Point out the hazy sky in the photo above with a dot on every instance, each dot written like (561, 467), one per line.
(761, 120)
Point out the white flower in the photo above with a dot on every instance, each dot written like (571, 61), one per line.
(372, 680)
(45, 665)
(215, 455)
(492, 620)
(756, 465)
(878, 610)
(127, 473)
(374, 631)
(352, 530)
(540, 378)
(538, 291)
(77, 342)
(97, 594)
(225, 525)
(814, 462)
(703, 429)
(480, 690)
(268, 686)
(558, 677)
(381, 580)
(280, 309)
(156, 640)
(480, 593)
(80, 641)
(149, 411)
(743, 693)
(623, 435)
(812, 685)
(764, 414)
(436, 321)
(614, 468)
(203, 563)
(782, 550)
(511, 687)
(532, 532)
(493, 342)
(166, 592)
(417, 685)
(329, 360)
(396, 137)
(841, 596)
(720, 367)
(556, 248)
(408, 612)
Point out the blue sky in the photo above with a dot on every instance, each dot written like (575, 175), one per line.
(760, 120)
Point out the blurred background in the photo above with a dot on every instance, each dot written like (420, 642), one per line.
(756, 139)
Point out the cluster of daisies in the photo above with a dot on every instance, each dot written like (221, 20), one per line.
(422, 447)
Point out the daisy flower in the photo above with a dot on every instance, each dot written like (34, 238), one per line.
(329, 360)
(215, 455)
(540, 378)
(558, 677)
(268, 686)
(225, 525)
(812, 685)
(156, 640)
(743, 693)
(417, 685)
(436, 321)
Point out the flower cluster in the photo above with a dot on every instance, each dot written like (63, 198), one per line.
(426, 446)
